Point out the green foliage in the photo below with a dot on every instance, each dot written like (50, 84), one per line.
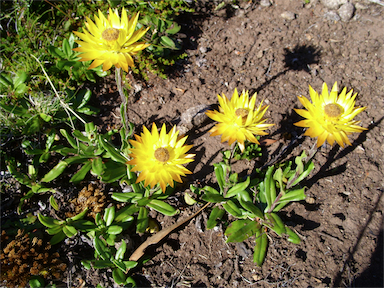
(14, 85)
(254, 202)
(60, 229)
(67, 61)
(40, 111)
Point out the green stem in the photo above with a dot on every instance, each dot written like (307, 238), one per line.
(124, 100)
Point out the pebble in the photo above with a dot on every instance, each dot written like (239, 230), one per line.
(346, 11)
(333, 4)
(265, 3)
(287, 15)
(332, 16)
(192, 117)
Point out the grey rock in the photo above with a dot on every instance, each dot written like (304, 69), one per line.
(288, 15)
(333, 4)
(346, 11)
(332, 16)
(192, 117)
(265, 3)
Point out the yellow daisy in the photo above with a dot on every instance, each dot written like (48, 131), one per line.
(111, 41)
(329, 116)
(159, 157)
(239, 119)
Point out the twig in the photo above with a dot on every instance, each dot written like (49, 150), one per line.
(65, 105)
(139, 252)
(377, 2)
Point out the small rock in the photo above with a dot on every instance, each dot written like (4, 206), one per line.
(361, 6)
(203, 49)
(332, 16)
(265, 3)
(260, 54)
(346, 11)
(193, 117)
(333, 4)
(287, 15)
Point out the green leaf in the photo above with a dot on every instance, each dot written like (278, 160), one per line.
(126, 197)
(290, 196)
(250, 207)
(109, 215)
(49, 221)
(275, 223)
(84, 225)
(80, 136)
(293, 237)
(174, 28)
(237, 188)
(67, 49)
(112, 151)
(36, 281)
(212, 198)
(57, 238)
(85, 97)
(53, 203)
(113, 172)
(167, 42)
(130, 264)
(114, 229)
(216, 213)
(118, 276)
(121, 251)
(69, 231)
(162, 207)
(260, 247)
(188, 199)
(45, 117)
(54, 230)
(56, 52)
(101, 248)
(240, 230)
(97, 166)
(220, 171)
(101, 264)
(80, 175)
(86, 264)
(124, 214)
(308, 169)
(55, 172)
(232, 209)
(142, 220)
(20, 78)
(69, 138)
(80, 215)
(270, 188)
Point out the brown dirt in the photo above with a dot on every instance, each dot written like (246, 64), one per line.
(256, 49)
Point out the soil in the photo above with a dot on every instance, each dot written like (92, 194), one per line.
(253, 47)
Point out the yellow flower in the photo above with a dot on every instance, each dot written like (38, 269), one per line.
(238, 118)
(111, 41)
(329, 116)
(159, 157)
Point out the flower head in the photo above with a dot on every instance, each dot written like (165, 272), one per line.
(159, 156)
(239, 119)
(330, 116)
(111, 41)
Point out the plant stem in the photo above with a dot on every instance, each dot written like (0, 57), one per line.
(124, 102)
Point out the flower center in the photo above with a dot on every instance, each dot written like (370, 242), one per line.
(110, 34)
(242, 112)
(333, 110)
(162, 154)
